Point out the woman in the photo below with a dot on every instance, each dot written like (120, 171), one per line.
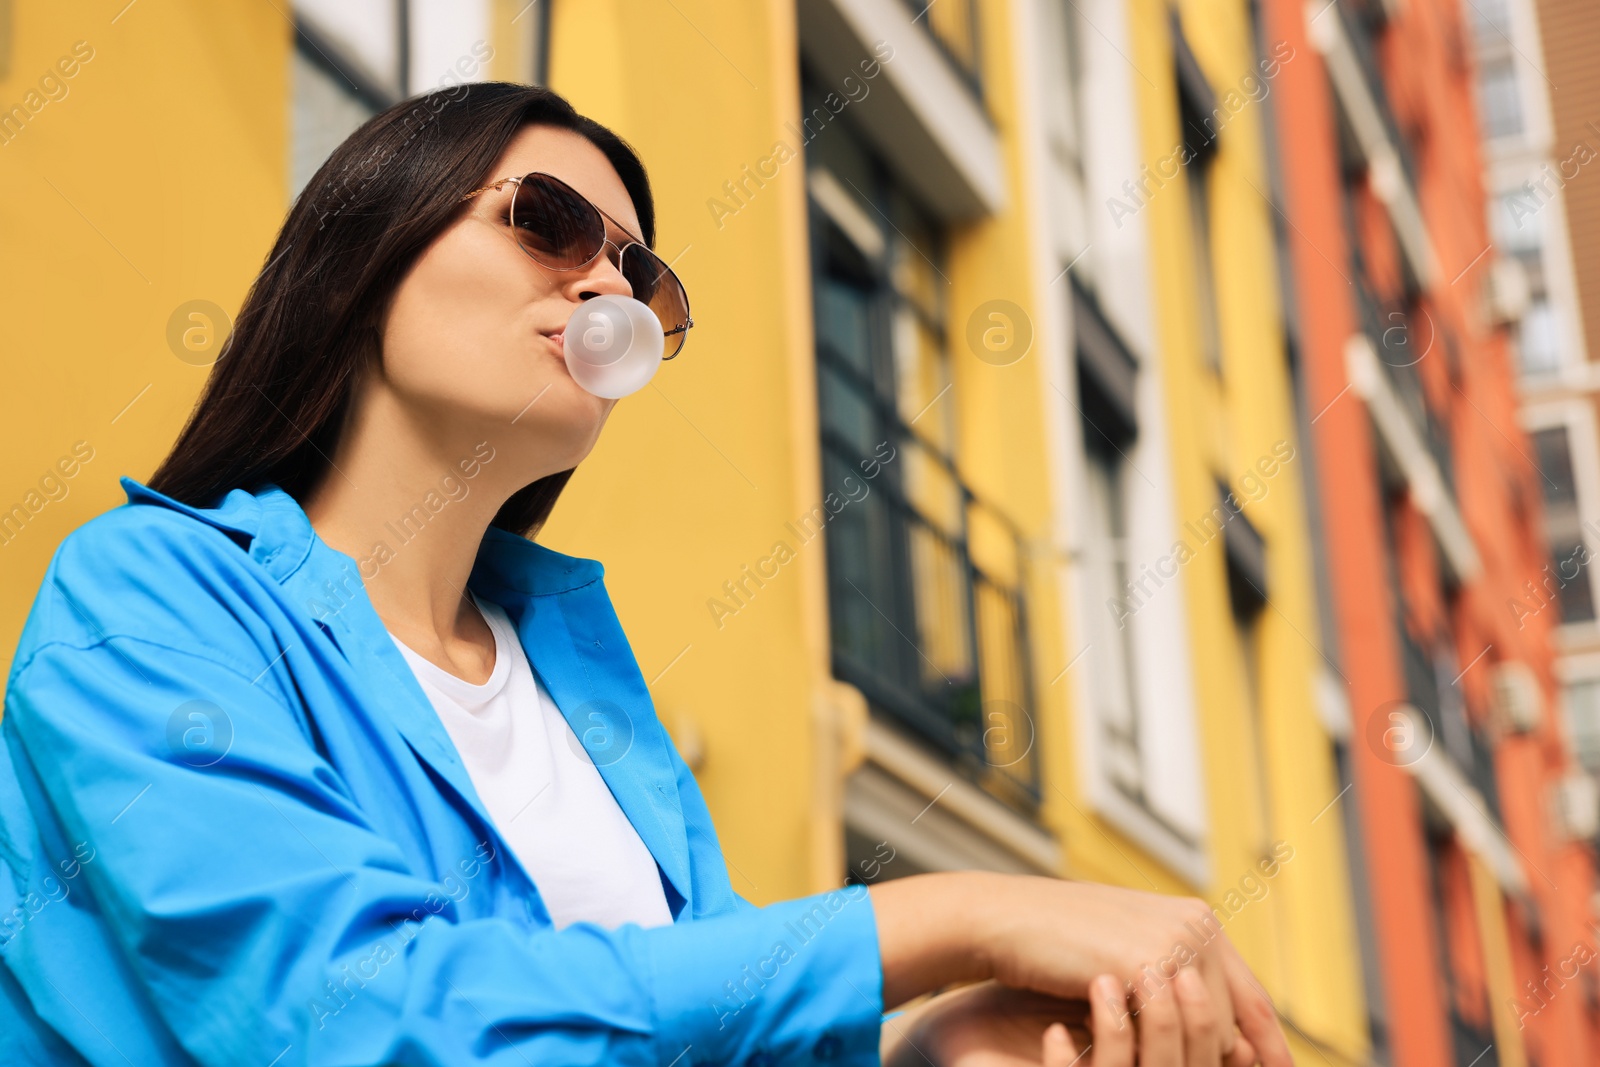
(265, 799)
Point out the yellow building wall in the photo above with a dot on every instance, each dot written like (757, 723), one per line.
(1300, 938)
(725, 441)
(154, 175)
(697, 476)
(1003, 445)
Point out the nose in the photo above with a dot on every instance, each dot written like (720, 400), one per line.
(601, 276)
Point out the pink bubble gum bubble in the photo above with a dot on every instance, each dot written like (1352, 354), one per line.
(613, 345)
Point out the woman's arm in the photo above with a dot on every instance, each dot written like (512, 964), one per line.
(249, 906)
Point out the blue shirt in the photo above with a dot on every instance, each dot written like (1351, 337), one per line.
(234, 831)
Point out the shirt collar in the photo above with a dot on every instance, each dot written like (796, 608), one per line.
(274, 528)
(578, 649)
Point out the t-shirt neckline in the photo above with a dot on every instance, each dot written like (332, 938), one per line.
(456, 687)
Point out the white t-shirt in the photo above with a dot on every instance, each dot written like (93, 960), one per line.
(543, 790)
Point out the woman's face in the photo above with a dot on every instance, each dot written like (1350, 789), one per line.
(472, 339)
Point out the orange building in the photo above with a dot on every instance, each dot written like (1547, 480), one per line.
(1466, 815)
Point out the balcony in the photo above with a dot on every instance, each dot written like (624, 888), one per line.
(1402, 339)
(1455, 734)
(953, 25)
(1474, 1044)
(1364, 22)
(925, 596)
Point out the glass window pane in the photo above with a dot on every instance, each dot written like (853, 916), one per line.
(1568, 563)
(1491, 23)
(1498, 100)
(1553, 448)
(1516, 220)
(1105, 573)
(449, 42)
(323, 113)
(1537, 344)
(1583, 720)
(844, 323)
(365, 32)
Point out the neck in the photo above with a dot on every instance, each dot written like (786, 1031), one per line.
(409, 499)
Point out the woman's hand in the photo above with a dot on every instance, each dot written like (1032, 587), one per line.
(1054, 937)
(1161, 1040)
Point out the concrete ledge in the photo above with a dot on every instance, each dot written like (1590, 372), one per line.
(1449, 791)
(1388, 178)
(1404, 443)
(919, 115)
(936, 819)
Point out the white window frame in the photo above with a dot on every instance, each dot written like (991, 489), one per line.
(1096, 246)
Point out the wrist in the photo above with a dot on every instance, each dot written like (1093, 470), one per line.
(982, 911)
(934, 930)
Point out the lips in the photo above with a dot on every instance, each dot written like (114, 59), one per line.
(559, 339)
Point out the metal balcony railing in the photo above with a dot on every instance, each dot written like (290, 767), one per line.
(935, 639)
(1364, 22)
(953, 25)
(1474, 1044)
(1402, 340)
(1455, 735)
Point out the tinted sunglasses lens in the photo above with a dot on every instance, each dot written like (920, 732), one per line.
(554, 224)
(654, 284)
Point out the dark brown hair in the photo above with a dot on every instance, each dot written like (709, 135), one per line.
(276, 401)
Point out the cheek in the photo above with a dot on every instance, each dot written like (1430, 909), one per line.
(462, 322)
(462, 334)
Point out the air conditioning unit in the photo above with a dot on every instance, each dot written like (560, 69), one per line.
(1518, 702)
(1576, 807)
(1507, 291)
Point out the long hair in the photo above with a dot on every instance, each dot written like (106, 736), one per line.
(275, 404)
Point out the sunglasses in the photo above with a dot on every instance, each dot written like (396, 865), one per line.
(560, 228)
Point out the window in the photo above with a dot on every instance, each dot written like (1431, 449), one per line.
(1143, 746)
(953, 27)
(326, 111)
(1569, 551)
(1491, 22)
(1583, 721)
(935, 641)
(1197, 107)
(1574, 587)
(348, 64)
(353, 58)
(1515, 220)
(1538, 344)
(1246, 604)
(1107, 579)
(1498, 101)
(1553, 448)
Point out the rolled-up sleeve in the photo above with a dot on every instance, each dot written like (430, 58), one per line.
(267, 920)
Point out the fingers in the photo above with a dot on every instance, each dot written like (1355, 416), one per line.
(1243, 1054)
(1058, 1047)
(1160, 1028)
(1179, 1026)
(1216, 984)
(1113, 1029)
(1257, 1018)
(1202, 1029)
